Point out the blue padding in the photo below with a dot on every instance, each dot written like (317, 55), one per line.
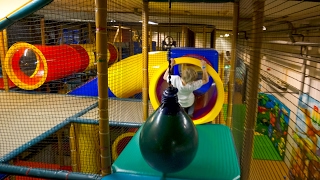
(90, 88)
(210, 54)
(3, 176)
(125, 176)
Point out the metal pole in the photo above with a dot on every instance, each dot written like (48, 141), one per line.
(89, 33)
(145, 50)
(73, 149)
(204, 37)
(131, 43)
(233, 60)
(43, 33)
(3, 52)
(159, 43)
(303, 77)
(253, 87)
(102, 72)
(45, 173)
(120, 42)
(60, 147)
(221, 72)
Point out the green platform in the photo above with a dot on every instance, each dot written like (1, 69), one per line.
(216, 158)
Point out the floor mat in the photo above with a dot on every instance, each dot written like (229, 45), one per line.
(264, 149)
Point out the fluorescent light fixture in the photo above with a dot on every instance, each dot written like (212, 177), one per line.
(226, 35)
(122, 27)
(9, 7)
(150, 22)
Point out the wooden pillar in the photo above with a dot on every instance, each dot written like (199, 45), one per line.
(3, 52)
(252, 92)
(102, 72)
(43, 32)
(90, 33)
(120, 42)
(204, 37)
(145, 51)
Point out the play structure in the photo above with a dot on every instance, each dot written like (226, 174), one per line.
(29, 66)
(82, 93)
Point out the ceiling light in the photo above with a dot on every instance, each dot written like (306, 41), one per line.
(150, 22)
(226, 35)
(221, 35)
(264, 28)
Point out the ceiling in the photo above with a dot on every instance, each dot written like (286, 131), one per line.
(220, 15)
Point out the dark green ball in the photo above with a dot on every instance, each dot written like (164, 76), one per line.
(168, 141)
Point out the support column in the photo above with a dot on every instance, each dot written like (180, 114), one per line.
(43, 32)
(253, 88)
(102, 71)
(145, 50)
(3, 52)
(204, 37)
(90, 33)
(233, 60)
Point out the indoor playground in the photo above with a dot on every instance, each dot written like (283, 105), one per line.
(84, 94)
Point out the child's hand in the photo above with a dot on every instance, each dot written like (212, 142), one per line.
(172, 62)
(203, 63)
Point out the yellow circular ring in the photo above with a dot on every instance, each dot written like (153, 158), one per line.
(11, 74)
(189, 60)
(116, 142)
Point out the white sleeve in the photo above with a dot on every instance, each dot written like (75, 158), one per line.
(173, 79)
(197, 84)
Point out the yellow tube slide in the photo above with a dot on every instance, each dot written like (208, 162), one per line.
(125, 76)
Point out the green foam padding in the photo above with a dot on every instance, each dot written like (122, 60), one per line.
(216, 157)
(264, 149)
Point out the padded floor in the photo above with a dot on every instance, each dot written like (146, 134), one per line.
(264, 149)
(216, 158)
(125, 176)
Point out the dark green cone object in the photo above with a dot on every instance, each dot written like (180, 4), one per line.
(169, 139)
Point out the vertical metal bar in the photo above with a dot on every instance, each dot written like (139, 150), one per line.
(221, 72)
(73, 149)
(159, 42)
(184, 36)
(60, 148)
(145, 50)
(89, 33)
(43, 33)
(150, 39)
(303, 77)
(233, 60)
(131, 45)
(3, 52)
(102, 71)
(61, 35)
(120, 42)
(252, 90)
(204, 37)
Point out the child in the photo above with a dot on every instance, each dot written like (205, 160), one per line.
(186, 84)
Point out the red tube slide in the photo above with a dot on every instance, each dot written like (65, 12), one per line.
(29, 66)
